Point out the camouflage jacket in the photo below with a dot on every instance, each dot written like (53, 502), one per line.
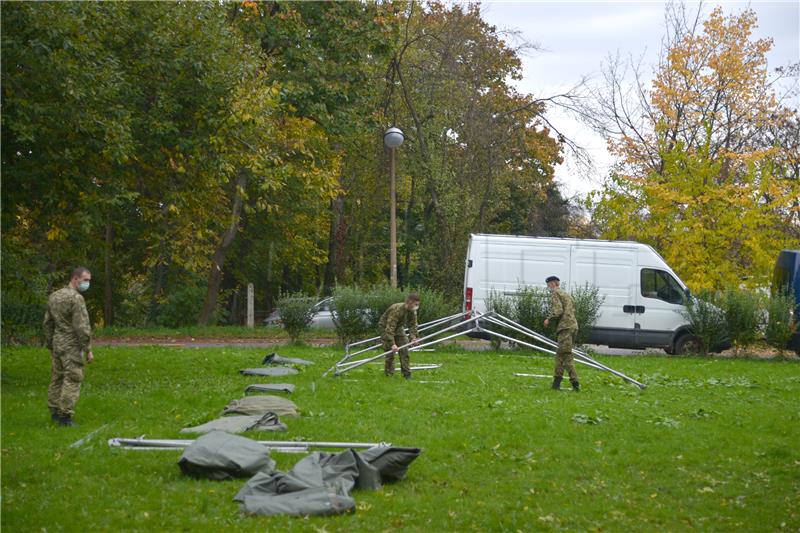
(563, 309)
(395, 320)
(66, 321)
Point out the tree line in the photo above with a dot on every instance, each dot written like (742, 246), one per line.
(181, 150)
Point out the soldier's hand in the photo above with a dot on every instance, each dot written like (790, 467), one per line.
(546, 322)
(89, 357)
(394, 348)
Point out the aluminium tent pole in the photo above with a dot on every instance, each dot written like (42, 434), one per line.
(537, 348)
(356, 364)
(182, 443)
(579, 355)
(424, 327)
(421, 327)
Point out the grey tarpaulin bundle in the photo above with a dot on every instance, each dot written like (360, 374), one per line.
(275, 359)
(319, 484)
(254, 405)
(275, 371)
(270, 387)
(251, 413)
(240, 424)
(219, 455)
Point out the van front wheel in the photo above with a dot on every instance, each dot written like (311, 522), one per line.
(686, 344)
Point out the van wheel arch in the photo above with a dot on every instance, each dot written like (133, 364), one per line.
(675, 337)
(685, 342)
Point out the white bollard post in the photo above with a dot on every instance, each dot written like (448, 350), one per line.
(250, 312)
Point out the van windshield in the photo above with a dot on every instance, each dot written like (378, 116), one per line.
(661, 285)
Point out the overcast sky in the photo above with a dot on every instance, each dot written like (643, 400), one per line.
(577, 37)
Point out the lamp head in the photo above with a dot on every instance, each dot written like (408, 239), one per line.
(393, 137)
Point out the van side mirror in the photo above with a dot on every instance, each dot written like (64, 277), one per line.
(687, 293)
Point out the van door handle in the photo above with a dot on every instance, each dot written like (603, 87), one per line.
(640, 309)
(628, 309)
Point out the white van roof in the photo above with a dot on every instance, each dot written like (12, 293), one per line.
(588, 242)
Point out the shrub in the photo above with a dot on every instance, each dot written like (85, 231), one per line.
(706, 320)
(182, 306)
(435, 305)
(351, 314)
(22, 322)
(532, 308)
(742, 316)
(501, 304)
(296, 312)
(358, 311)
(379, 298)
(779, 321)
(587, 302)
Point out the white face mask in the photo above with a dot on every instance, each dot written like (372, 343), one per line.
(83, 286)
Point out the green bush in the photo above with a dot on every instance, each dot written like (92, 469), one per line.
(587, 302)
(22, 322)
(742, 317)
(379, 298)
(502, 304)
(532, 307)
(24, 287)
(706, 319)
(780, 326)
(296, 312)
(358, 311)
(182, 307)
(435, 305)
(351, 314)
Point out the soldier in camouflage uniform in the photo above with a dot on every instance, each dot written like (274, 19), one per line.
(563, 310)
(67, 335)
(392, 327)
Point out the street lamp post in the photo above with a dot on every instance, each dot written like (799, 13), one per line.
(392, 138)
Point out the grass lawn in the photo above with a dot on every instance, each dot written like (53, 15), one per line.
(710, 445)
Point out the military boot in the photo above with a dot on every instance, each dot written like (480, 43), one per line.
(557, 383)
(575, 385)
(54, 415)
(66, 421)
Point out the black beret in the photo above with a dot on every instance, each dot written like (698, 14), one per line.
(552, 278)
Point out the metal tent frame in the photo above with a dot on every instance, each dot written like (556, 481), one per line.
(140, 443)
(476, 322)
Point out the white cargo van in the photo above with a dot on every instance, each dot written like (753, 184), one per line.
(643, 296)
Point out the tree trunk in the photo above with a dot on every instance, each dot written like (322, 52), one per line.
(336, 238)
(409, 208)
(218, 260)
(108, 300)
(487, 195)
(159, 281)
(425, 157)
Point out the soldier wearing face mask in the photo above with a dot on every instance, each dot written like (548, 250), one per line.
(392, 325)
(67, 334)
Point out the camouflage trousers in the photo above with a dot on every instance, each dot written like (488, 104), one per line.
(405, 364)
(65, 381)
(566, 337)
